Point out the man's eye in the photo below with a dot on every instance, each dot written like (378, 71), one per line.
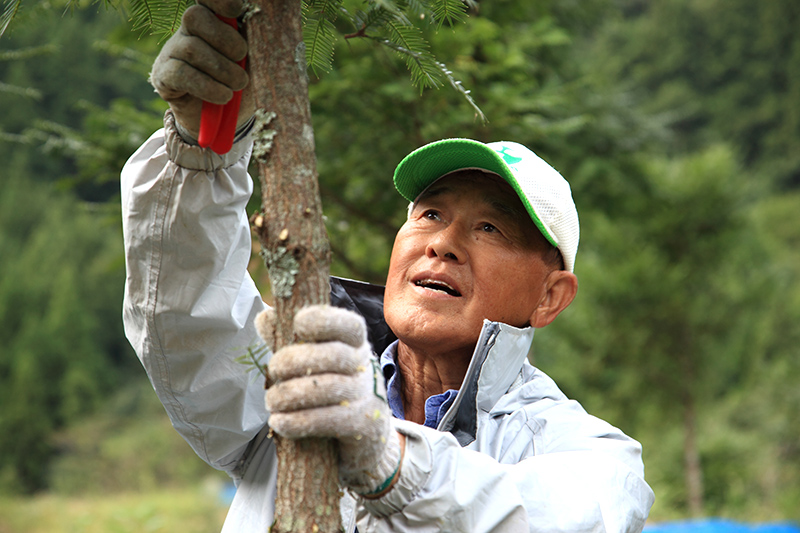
(488, 228)
(430, 214)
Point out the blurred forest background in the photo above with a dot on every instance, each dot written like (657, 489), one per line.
(677, 123)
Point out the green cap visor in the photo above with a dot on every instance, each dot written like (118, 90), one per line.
(418, 170)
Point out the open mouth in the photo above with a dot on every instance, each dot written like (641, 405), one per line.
(436, 285)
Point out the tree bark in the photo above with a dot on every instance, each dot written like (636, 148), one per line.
(294, 242)
(691, 460)
(693, 470)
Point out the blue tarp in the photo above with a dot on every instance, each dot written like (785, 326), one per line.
(227, 493)
(718, 525)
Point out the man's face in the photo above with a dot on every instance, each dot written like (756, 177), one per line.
(468, 251)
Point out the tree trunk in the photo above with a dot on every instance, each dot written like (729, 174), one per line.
(294, 243)
(693, 471)
(691, 460)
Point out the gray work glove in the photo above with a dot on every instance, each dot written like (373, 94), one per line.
(329, 385)
(199, 63)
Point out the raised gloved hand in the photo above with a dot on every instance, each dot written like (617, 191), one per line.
(329, 385)
(199, 62)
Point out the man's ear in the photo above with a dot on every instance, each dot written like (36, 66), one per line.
(561, 286)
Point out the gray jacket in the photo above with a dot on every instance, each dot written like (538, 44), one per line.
(512, 453)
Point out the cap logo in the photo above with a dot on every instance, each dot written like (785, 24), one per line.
(508, 158)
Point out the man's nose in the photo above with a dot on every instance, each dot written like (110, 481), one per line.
(447, 245)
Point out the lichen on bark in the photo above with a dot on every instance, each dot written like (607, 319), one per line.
(263, 134)
(282, 268)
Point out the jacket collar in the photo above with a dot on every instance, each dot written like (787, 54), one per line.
(496, 362)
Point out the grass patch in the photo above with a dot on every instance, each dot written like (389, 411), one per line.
(188, 510)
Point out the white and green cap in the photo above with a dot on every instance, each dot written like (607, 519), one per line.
(543, 191)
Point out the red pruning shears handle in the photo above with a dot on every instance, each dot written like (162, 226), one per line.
(218, 122)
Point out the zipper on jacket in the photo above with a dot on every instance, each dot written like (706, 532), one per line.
(482, 347)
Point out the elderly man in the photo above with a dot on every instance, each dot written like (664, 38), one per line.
(457, 431)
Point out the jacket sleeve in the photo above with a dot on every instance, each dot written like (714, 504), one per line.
(590, 480)
(189, 302)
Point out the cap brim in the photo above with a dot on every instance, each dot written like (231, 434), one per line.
(427, 164)
(423, 166)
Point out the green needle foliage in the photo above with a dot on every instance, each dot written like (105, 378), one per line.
(254, 359)
(161, 17)
(10, 9)
(386, 22)
(319, 32)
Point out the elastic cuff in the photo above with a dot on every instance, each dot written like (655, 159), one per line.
(241, 132)
(184, 133)
(244, 130)
(414, 472)
(385, 484)
(192, 157)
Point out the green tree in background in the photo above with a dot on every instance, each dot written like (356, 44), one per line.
(669, 334)
(81, 77)
(69, 120)
(60, 327)
(726, 72)
(719, 70)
